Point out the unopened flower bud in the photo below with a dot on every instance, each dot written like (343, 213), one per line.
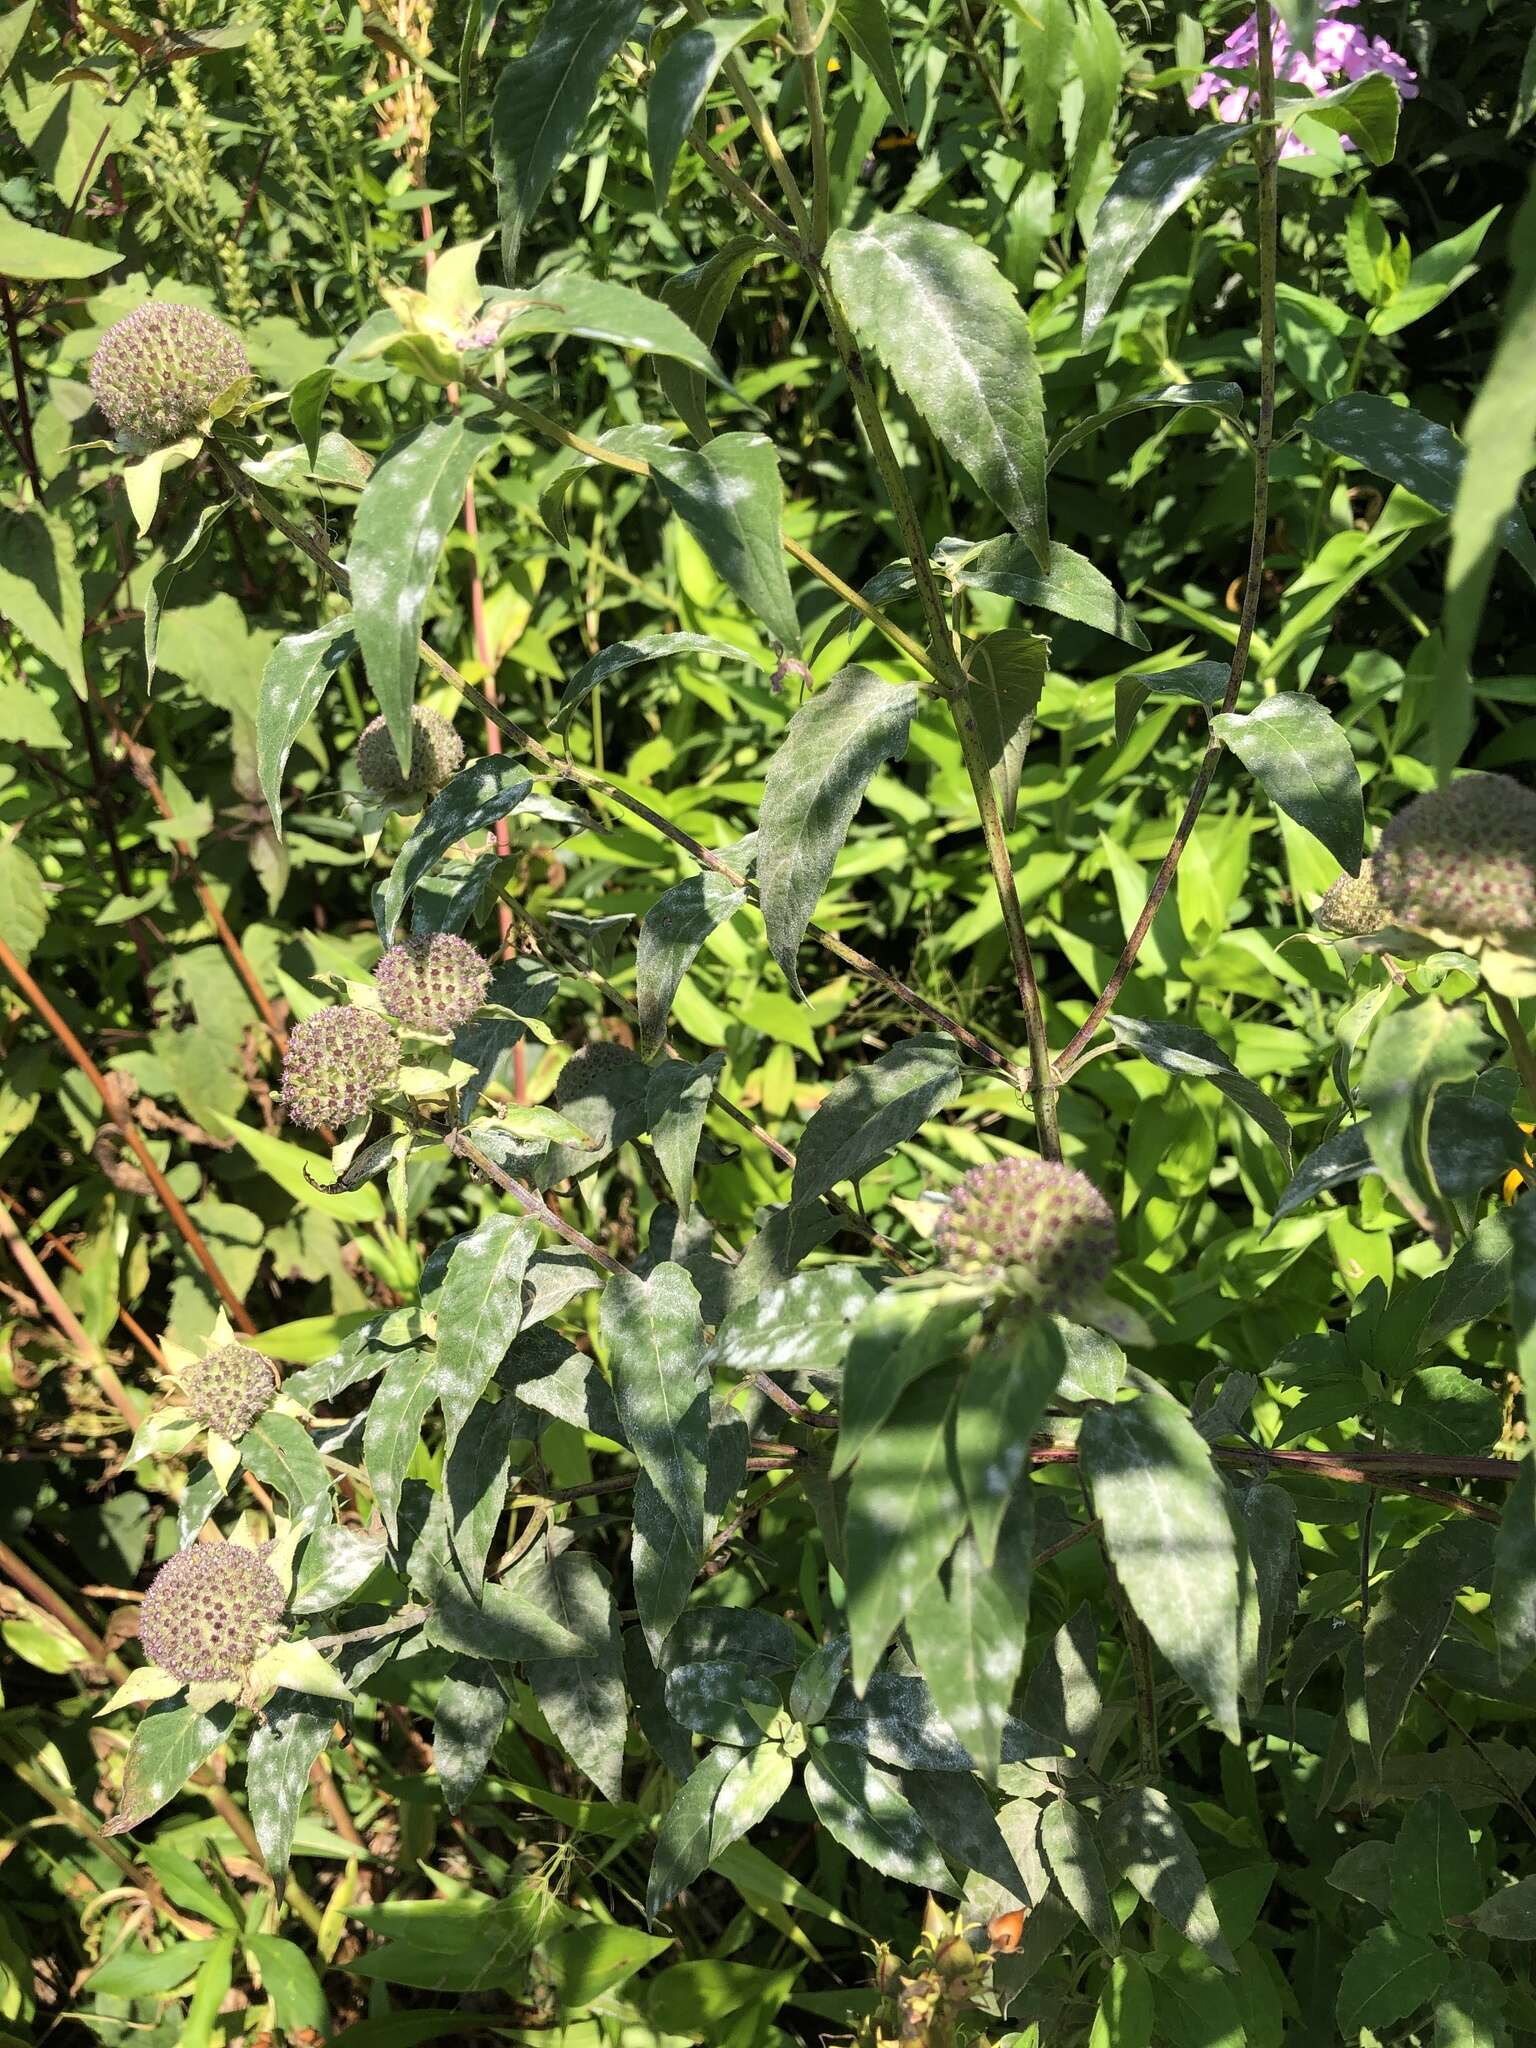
(1035, 1229)
(337, 1062)
(436, 753)
(229, 1388)
(158, 371)
(433, 983)
(210, 1613)
(1352, 907)
(1462, 859)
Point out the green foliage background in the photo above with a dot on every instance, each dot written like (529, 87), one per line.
(1357, 1863)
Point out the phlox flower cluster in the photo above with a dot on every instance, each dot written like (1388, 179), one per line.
(1342, 51)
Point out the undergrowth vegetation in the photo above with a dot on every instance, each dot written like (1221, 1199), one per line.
(767, 960)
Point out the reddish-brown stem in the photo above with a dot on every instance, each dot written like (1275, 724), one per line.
(530, 1203)
(1264, 155)
(135, 1329)
(41, 1594)
(190, 1235)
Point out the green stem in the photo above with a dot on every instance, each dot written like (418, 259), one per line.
(763, 129)
(1519, 1041)
(805, 47)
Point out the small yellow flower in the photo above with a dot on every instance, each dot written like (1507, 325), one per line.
(1514, 1180)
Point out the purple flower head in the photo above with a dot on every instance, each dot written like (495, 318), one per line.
(1341, 53)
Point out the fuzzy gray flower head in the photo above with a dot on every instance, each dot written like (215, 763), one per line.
(436, 753)
(229, 1388)
(1353, 907)
(337, 1062)
(433, 983)
(158, 371)
(210, 1612)
(1462, 860)
(1035, 1229)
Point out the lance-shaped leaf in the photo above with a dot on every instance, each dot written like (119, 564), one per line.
(1305, 766)
(1435, 1880)
(865, 1809)
(931, 303)
(279, 1450)
(873, 1109)
(815, 783)
(1002, 1398)
(655, 1347)
(1004, 675)
(729, 497)
(968, 1640)
(413, 497)
(626, 654)
(1185, 1050)
(1411, 1614)
(677, 1101)
(727, 1794)
(865, 25)
(1389, 1976)
(903, 1516)
(292, 684)
(392, 1426)
(1153, 183)
(1070, 585)
(1169, 1537)
(803, 1324)
(1066, 1837)
(1145, 1841)
(1514, 1571)
(471, 1709)
(1269, 1529)
(671, 933)
(1413, 1054)
(679, 85)
(479, 1313)
(541, 101)
(1366, 110)
(573, 302)
(41, 596)
(900, 1335)
(289, 1735)
(468, 802)
(1214, 395)
(700, 296)
(1063, 1695)
(168, 1745)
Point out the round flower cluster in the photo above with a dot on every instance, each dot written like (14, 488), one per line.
(229, 1388)
(1038, 1230)
(432, 984)
(157, 372)
(337, 1062)
(436, 753)
(210, 1613)
(1462, 859)
(1352, 907)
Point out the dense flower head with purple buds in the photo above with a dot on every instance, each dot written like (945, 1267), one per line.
(210, 1612)
(1341, 52)
(436, 753)
(158, 371)
(229, 1388)
(1462, 859)
(1353, 906)
(433, 983)
(1036, 1229)
(337, 1062)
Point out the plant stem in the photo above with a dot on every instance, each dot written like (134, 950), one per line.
(762, 128)
(805, 47)
(1264, 156)
(530, 1203)
(1519, 1041)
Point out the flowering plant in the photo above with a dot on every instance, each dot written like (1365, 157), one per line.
(1341, 51)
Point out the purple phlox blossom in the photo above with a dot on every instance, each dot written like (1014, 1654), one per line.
(1341, 53)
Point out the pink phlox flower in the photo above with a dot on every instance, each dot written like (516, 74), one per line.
(1341, 53)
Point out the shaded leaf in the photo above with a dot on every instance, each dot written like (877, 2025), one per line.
(729, 496)
(679, 85)
(903, 1516)
(627, 654)
(1144, 1839)
(1005, 674)
(865, 1809)
(1305, 766)
(874, 1108)
(677, 1101)
(1185, 1050)
(1067, 1840)
(471, 801)
(671, 933)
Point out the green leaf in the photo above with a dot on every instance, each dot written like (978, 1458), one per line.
(471, 1711)
(392, 1426)
(1396, 442)
(40, 592)
(723, 1700)
(902, 1334)
(805, 1324)
(1002, 1399)
(288, 1979)
(864, 1809)
(588, 1962)
(931, 303)
(968, 1640)
(1067, 1840)
(279, 1450)
(135, 1973)
(289, 1166)
(34, 256)
(873, 1109)
(1004, 675)
(1169, 1537)
(700, 296)
(471, 801)
(292, 684)
(13, 31)
(1412, 1055)
(655, 1349)
(1153, 183)
(864, 25)
(476, 1475)
(671, 933)
(479, 1313)
(676, 1103)
(1433, 276)
(542, 100)
(1305, 766)
(1388, 1978)
(583, 1698)
(169, 1744)
(24, 901)
(1071, 586)
(285, 1743)
(679, 85)
(464, 1944)
(729, 496)
(727, 1794)
(1435, 1878)
(1063, 1696)
(1366, 110)
(1212, 395)
(1124, 2015)
(627, 654)
(413, 497)
(903, 1516)
(1410, 1615)
(1514, 1574)
(1185, 1050)
(1194, 2007)
(815, 783)
(1145, 1841)
(1510, 1915)
(571, 302)
(1269, 1532)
